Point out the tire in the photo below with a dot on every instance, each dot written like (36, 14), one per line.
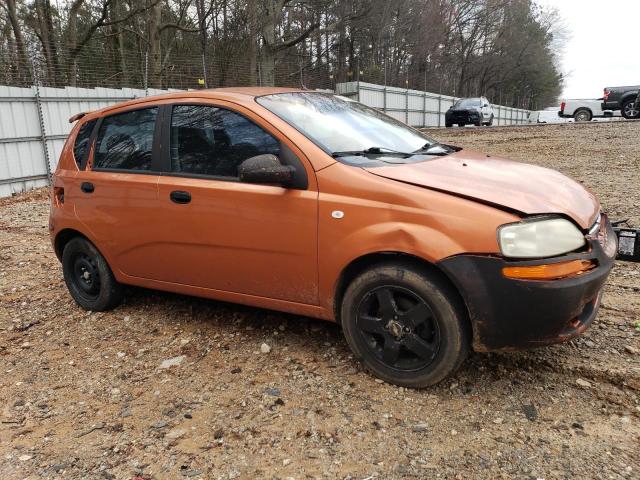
(582, 115)
(394, 310)
(490, 121)
(629, 110)
(478, 123)
(461, 124)
(89, 278)
(448, 125)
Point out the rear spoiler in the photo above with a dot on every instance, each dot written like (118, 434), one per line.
(77, 117)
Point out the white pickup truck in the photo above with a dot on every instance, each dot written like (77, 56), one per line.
(583, 110)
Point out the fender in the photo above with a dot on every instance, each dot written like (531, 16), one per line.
(416, 240)
(628, 95)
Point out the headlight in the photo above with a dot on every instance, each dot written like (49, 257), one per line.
(539, 237)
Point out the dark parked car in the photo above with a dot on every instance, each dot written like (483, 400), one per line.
(469, 111)
(623, 99)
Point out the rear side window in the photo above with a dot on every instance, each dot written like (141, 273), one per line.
(214, 141)
(81, 146)
(125, 141)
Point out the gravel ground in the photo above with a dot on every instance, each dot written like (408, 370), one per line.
(169, 386)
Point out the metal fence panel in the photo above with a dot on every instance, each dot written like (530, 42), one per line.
(29, 145)
(417, 108)
(34, 121)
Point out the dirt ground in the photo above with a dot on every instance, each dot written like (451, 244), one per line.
(85, 395)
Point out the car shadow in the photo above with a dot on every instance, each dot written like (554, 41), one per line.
(309, 336)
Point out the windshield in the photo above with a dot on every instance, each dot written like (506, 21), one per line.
(338, 124)
(468, 102)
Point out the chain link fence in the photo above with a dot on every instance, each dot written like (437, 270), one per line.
(38, 95)
(110, 68)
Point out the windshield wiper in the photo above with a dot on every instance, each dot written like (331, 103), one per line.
(371, 151)
(434, 149)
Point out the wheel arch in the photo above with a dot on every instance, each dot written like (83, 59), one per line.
(586, 109)
(369, 260)
(63, 237)
(628, 96)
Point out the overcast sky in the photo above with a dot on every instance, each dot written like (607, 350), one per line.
(604, 45)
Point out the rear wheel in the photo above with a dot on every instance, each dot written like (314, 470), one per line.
(405, 325)
(448, 125)
(461, 124)
(630, 109)
(88, 277)
(582, 115)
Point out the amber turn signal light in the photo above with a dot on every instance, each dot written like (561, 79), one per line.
(549, 272)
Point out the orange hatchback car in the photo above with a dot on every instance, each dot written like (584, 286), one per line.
(311, 203)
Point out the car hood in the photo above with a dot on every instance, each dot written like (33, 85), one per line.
(521, 187)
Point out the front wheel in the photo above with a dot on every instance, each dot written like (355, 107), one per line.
(88, 277)
(406, 325)
(630, 109)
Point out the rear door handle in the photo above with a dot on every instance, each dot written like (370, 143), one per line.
(87, 187)
(178, 196)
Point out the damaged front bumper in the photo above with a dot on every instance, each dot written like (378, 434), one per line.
(514, 314)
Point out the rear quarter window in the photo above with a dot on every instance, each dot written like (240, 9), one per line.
(83, 139)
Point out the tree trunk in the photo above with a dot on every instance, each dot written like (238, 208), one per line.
(253, 37)
(22, 61)
(202, 25)
(268, 56)
(155, 51)
(114, 13)
(72, 43)
(341, 74)
(45, 25)
(268, 67)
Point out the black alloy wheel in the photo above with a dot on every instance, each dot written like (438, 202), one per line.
(630, 110)
(406, 323)
(399, 327)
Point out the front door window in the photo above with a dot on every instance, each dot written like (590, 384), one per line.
(213, 141)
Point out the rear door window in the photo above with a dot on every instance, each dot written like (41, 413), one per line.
(125, 141)
(83, 139)
(213, 141)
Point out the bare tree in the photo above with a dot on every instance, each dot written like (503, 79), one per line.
(272, 46)
(499, 48)
(21, 60)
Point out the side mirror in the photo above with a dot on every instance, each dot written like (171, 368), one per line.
(265, 169)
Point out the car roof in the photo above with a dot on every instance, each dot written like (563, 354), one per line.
(234, 94)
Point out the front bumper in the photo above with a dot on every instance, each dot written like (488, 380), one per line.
(509, 314)
(462, 117)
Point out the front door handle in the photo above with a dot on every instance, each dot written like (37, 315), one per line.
(178, 196)
(87, 187)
